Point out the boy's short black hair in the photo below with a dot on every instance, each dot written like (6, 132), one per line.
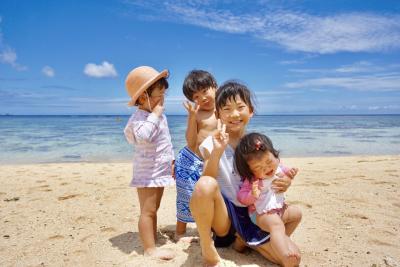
(252, 146)
(159, 83)
(196, 81)
(229, 91)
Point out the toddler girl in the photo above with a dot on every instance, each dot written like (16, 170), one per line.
(148, 130)
(257, 162)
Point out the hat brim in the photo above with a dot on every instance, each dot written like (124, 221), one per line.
(163, 74)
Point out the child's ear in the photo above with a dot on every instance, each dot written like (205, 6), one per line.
(251, 113)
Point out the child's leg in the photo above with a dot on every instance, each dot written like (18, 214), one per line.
(280, 242)
(180, 229)
(291, 218)
(159, 194)
(149, 199)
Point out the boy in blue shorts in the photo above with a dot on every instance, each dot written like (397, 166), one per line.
(199, 88)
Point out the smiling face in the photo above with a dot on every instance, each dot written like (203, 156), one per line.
(205, 99)
(263, 166)
(235, 114)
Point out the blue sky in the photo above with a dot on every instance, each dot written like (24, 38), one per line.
(298, 57)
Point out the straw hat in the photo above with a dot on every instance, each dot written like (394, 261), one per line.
(141, 78)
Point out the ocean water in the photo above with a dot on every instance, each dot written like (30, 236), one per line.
(38, 139)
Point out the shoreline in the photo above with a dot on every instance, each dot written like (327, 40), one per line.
(85, 214)
(130, 162)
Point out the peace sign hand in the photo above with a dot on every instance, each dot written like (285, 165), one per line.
(221, 137)
(191, 109)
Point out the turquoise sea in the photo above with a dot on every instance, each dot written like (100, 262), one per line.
(38, 139)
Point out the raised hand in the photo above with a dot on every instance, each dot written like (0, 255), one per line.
(159, 108)
(221, 137)
(255, 191)
(191, 109)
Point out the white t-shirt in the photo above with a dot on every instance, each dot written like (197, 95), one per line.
(229, 180)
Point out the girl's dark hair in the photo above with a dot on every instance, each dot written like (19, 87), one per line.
(252, 146)
(230, 90)
(196, 81)
(159, 83)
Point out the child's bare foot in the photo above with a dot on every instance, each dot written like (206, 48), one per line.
(239, 245)
(293, 256)
(185, 239)
(210, 255)
(160, 253)
(292, 260)
(210, 265)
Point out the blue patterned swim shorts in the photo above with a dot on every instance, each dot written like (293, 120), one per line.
(188, 169)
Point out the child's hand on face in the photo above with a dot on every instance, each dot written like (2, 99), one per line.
(220, 138)
(191, 109)
(159, 108)
(255, 191)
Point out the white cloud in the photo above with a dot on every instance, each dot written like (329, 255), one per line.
(295, 31)
(48, 71)
(106, 69)
(8, 55)
(361, 66)
(379, 83)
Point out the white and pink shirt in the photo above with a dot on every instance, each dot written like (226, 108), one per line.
(153, 155)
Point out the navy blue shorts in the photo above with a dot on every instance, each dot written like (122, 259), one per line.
(242, 224)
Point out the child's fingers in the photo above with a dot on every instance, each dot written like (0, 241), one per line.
(223, 129)
(218, 125)
(186, 105)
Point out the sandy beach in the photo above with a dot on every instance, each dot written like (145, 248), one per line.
(85, 214)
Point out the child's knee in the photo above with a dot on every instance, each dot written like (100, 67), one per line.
(150, 211)
(295, 214)
(205, 187)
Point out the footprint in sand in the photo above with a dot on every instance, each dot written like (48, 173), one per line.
(396, 204)
(69, 196)
(64, 183)
(320, 184)
(301, 204)
(40, 181)
(83, 239)
(357, 216)
(56, 237)
(107, 229)
(84, 219)
(80, 252)
(358, 176)
(379, 242)
(390, 170)
(383, 182)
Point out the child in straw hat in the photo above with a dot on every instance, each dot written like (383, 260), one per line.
(147, 129)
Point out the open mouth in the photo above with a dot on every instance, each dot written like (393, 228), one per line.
(270, 173)
(237, 122)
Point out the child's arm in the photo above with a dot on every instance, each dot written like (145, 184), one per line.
(246, 195)
(219, 142)
(191, 131)
(144, 131)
